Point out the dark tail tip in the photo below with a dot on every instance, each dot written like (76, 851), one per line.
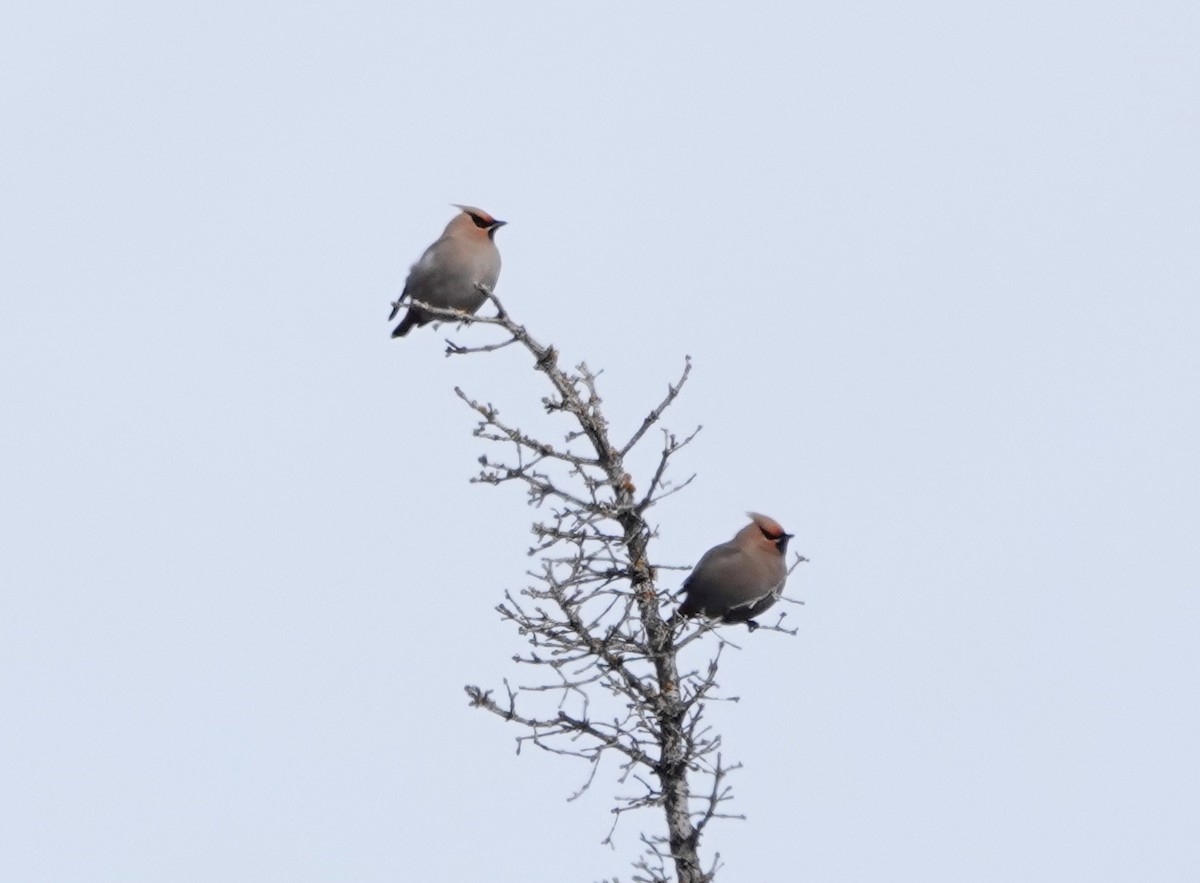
(405, 325)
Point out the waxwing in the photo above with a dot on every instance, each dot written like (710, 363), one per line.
(740, 579)
(451, 271)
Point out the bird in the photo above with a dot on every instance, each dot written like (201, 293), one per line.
(738, 580)
(457, 272)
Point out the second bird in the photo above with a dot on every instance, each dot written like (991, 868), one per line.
(451, 272)
(740, 579)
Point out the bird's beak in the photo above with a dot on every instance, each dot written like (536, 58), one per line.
(499, 223)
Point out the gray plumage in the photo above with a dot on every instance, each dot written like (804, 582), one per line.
(738, 580)
(450, 273)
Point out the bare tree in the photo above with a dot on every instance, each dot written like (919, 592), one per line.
(604, 674)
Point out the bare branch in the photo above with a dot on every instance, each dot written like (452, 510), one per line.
(653, 416)
(601, 670)
(670, 446)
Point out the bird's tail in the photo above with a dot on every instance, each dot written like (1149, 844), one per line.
(409, 321)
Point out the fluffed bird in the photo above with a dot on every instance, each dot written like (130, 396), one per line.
(738, 580)
(455, 273)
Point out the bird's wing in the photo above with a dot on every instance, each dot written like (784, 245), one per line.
(717, 556)
(774, 592)
(417, 272)
(719, 562)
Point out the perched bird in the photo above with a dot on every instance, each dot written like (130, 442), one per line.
(452, 271)
(740, 579)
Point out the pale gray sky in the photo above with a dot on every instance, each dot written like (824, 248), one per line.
(937, 267)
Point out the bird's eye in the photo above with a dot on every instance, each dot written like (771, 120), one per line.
(770, 536)
(482, 223)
